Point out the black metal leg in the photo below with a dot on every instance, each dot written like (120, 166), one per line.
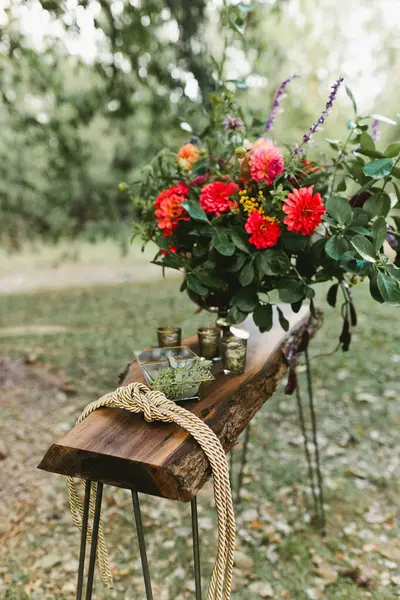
(243, 461)
(142, 544)
(85, 518)
(196, 549)
(306, 450)
(95, 537)
(316, 445)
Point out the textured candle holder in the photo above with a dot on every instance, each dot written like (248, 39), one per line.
(169, 336)
(209, 340)
(233, 355)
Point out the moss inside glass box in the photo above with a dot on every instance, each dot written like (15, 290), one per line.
(178, 379)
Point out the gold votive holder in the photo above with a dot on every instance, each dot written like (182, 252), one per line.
(169, 336)
(233, 355)
(209, 340)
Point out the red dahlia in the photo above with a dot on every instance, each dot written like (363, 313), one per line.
(215, 198)
(265, 230)
(304, 210)
(169, 210)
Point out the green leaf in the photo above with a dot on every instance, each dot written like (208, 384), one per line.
(374, 290)
(389, 288)
(263, 317)
(378, 168)
(392, 150)
(194, 284)
(340, 210)
(309, 292)
(335, 144)
(379, 231)
(393, 271)
(247, 273)
(352, 264)
(208, 279)
(246, 8)
(195, 210)
(341, 186)
(396, 172)
(291, 290)
(238, 261)
(366, 141)
(383, 119)
(236, 316)
(336, 246)
(240, 83)
(311, 179)
(222, 243)
(293, 242)
(360, 218)
(378, 204)
(397, 190)
(364, 248)
(163, 243)
(332, 295)
(240, 239)
(284, 323)
(370, 153)
(246, 299)
(351, 96)
(272, 262)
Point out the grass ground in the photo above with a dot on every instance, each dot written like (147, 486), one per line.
(280, 553)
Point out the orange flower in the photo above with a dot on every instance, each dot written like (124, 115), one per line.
(169, 210)
(187, 156)
(304, 210)
(265, 230)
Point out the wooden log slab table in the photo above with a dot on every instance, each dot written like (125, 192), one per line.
(121, 449)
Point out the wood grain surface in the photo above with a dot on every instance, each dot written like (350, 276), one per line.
(121, 449)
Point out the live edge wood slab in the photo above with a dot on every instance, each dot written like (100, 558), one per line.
(121, 449)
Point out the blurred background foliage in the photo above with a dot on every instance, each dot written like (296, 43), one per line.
(92, 89)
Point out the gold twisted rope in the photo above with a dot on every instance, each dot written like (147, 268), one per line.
(138, 398)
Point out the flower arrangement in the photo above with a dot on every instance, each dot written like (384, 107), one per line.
(251, 224)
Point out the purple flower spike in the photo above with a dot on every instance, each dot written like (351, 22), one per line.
(277, 102)
(374, 129)
(233, 123)
(321, 119)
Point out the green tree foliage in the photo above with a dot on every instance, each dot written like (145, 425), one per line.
(73, 125)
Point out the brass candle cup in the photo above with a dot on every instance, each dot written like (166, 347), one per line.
(209, 340)
(233, 355)
(169, 336)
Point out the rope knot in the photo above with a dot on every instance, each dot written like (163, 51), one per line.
(150, 402)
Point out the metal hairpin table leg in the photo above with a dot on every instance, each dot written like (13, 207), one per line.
(95, 537)
(307, 451)
(142, 545)
(196, 548)
(316, 445)
(243, 462)
(85, 518)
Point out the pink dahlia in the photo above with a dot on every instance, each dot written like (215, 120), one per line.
(304, 210)
(216, 198)
(265, 230)
(266, 163)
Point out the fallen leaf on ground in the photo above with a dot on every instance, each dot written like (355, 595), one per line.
(264, 590)
(357, 576)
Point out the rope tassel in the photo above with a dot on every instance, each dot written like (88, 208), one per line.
(138, 398)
